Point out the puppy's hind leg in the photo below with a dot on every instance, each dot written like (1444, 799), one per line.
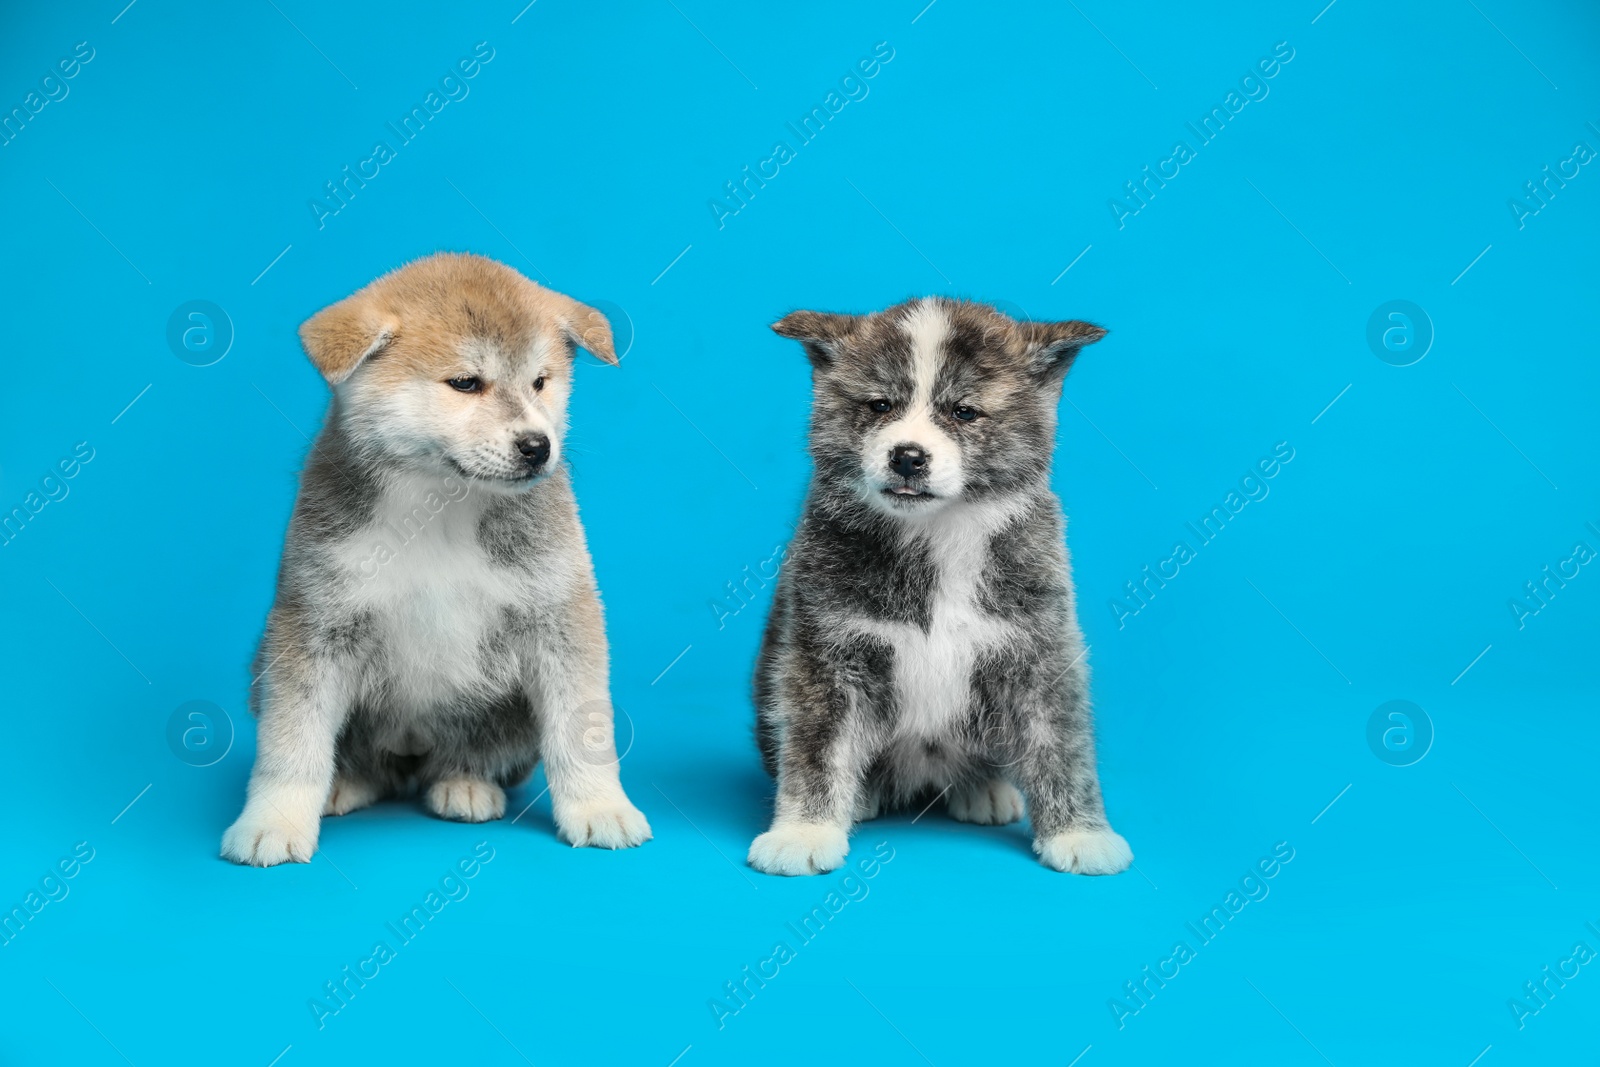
(991, 803)
(466, 799)
(875, 795)
(869, 804)
(350, 794)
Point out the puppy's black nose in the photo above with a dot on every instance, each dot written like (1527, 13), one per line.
(535, 448)
(908, 460)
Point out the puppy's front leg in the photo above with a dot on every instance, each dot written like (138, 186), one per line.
(823, 756)
(1058, 775)
(569, 686)
(304, 704)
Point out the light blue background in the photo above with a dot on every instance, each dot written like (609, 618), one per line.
(1232, 709)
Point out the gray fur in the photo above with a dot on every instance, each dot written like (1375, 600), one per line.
(836, 725)
(317, 625)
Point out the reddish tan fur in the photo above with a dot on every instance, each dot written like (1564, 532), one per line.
(414, 316)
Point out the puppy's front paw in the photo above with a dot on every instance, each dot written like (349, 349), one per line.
(799, 848)
(466, 800)
(602, 824)
(994, 803)
(266, 840)
(1085, 851)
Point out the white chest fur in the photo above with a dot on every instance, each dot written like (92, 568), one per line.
(433, 593)
(933, 667)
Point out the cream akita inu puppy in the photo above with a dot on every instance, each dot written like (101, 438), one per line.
(437, 622)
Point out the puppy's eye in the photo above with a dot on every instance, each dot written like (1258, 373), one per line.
(538, 384)
(879, 405)
(466, 383)
(965, 413)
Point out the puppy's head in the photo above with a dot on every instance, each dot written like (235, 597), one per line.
(934, 400)
(456, 364)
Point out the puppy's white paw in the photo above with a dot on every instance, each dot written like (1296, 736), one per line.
(466, 800)
(1085, 851)
(602, 824)
(993, 803)
(266, 840)
(799, 848)
(349, 794)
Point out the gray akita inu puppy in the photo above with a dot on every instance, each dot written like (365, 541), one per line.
(436, 620)
(923, 640)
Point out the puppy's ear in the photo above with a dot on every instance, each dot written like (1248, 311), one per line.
(588, 329)
(819, 331)
(340, 336)
(1050, 347)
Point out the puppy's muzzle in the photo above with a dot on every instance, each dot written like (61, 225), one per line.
(535, 450)
(912, 463)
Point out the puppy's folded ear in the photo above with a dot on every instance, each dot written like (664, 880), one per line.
(819, 331)
(1050, 347)
(588, 329)
(340, 336)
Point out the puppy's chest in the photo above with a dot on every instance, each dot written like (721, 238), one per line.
(933, 666)
(440, 604)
